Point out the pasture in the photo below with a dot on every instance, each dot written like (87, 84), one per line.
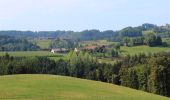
(50, 87)
(43, 44)
(142, 49)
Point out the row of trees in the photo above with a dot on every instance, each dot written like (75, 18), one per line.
(81, 65)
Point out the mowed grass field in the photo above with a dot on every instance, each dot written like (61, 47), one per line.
(142, 49)
(28, 53)
(50, 87)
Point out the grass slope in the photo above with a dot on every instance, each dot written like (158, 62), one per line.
(44, 44)
(50, 87)
(142, 49)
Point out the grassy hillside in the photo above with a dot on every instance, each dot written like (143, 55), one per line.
(50, 87)
(44, 44)
(142, 49)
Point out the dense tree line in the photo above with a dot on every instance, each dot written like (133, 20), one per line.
(81, 65)
(149, 38)
(83, 35)
(8, 43)
(149, 73)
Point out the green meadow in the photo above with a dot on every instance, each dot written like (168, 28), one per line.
(51, 87)
(142, 49)
(44, 44)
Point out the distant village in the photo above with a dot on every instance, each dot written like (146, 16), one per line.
(85, 48)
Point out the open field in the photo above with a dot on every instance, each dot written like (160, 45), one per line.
(44, 44)
(142, 49)
(98, 42)
(50, 87)
(29, 53)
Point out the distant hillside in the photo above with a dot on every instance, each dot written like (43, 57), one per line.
(50, 87)
(163, 31)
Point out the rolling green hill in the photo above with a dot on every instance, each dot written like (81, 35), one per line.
(50, 87)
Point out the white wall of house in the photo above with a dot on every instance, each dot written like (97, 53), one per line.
(52, 51)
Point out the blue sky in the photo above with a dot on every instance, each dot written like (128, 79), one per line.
(79, 15)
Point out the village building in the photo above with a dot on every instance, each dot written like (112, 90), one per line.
(59, 50)
(76, 50)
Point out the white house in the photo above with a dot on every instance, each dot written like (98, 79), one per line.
(75, 50)
(59, 50)
(55, 50)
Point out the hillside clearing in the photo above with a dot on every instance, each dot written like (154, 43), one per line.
(142, 49)
(44, 44)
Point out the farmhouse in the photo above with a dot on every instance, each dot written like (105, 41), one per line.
(59, 50)
(76, 50)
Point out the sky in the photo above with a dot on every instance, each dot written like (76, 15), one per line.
(78, 15)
